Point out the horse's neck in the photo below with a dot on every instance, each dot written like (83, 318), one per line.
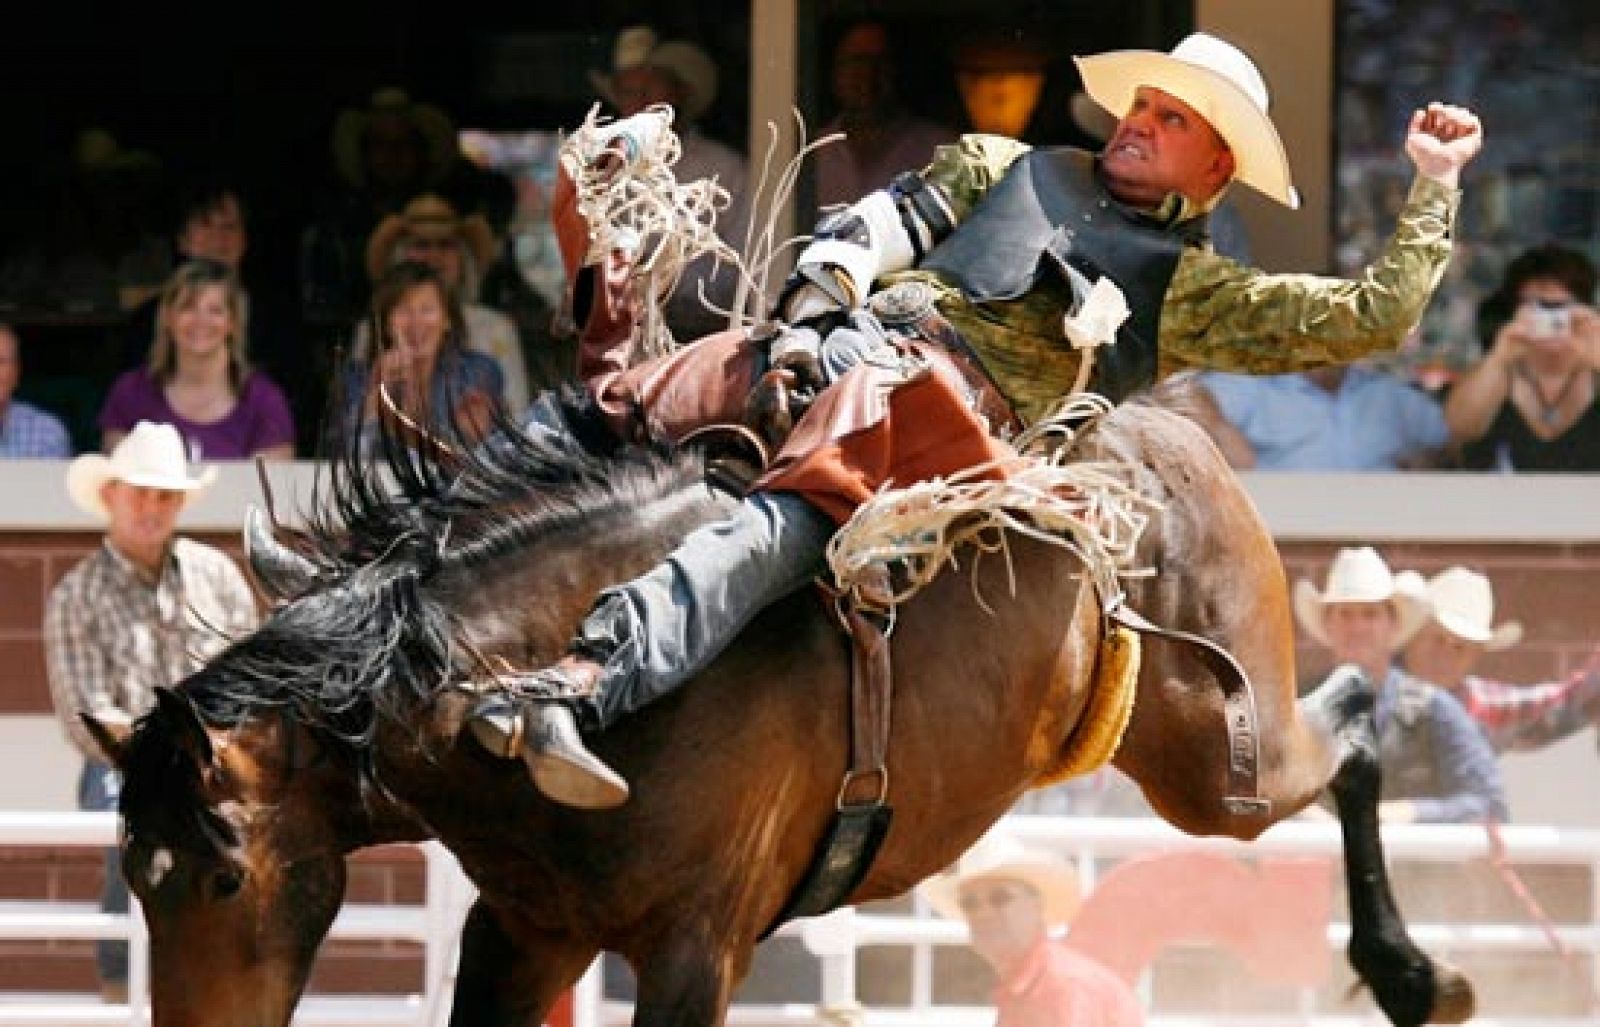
(535, 598)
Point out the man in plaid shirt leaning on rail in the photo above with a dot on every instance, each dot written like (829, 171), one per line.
(144, 610)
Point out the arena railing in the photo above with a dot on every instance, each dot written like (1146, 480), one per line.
(1091, 842)
(835, 940)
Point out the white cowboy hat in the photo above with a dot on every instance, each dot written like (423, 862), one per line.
(1463, 604)
(638, 47)
(150, 456)
(1000, 856)
(1221, 84)
(1359, 576)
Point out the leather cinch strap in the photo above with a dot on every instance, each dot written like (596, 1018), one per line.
(867, 780)
(862, 813)
(1239, 707)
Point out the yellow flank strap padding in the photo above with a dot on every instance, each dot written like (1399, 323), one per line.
(1099, 731)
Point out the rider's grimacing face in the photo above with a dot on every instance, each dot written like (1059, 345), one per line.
(1163, 146)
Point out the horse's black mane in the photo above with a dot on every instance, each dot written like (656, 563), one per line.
(386, 533)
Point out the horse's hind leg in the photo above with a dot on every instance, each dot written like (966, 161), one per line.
(506, 981)
(1409, 986)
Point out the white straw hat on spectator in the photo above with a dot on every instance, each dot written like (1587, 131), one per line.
(638, 46)
(1221, 83)
(1463, 604)
(150, 456)
(1359, 576)
(999, 856)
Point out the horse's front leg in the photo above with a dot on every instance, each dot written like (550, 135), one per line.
(512, 981)
(687, 981)
(1408, 985)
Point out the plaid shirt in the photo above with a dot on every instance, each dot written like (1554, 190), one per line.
(111, 638)
(28, 433)
(1531, 716)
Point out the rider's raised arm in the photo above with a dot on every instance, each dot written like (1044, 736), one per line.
(1223, 315)
(1220, 314)
(893, 229)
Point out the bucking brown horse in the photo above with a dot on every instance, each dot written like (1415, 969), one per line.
(335, 727)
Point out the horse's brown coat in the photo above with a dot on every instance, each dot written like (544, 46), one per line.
(734, 776)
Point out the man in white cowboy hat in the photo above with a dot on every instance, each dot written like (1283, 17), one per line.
(647, 71)
(1012, 898)
(430, 230)
(1437, 766)
(1005, 242)
(1458, 635)
(141, 611)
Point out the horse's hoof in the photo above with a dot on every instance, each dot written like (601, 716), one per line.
(562, 766)
(496, 724)
(1453, 998)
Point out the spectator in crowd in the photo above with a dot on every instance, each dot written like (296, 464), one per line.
(1530, 403)
(198, 378)
(385, 154)
(1457, 636)
(430, 230)
(211, 224)
(646, 71)
(1437, 766)
(882, 139)
(1011, 898)
(140, 612)
(1343, 418)
(421, 361)
(1000, 77)
(26, 432)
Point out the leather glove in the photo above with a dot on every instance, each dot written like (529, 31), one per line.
(797, 349)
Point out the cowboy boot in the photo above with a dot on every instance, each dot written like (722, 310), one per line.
(544, 732)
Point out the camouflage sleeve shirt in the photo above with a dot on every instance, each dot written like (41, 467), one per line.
(1222, 315)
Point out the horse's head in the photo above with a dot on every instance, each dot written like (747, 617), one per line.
(238, 875)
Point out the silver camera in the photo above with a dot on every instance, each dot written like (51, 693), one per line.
(1551, 319)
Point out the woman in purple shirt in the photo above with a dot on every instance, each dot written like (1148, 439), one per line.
(198, 380)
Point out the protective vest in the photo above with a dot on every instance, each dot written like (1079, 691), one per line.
(1049, 211)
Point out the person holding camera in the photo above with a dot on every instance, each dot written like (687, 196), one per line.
(1530, 404)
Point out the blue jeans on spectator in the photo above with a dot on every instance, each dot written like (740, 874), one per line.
(98, 788)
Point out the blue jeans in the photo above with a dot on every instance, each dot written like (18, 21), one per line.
(660, 629)
(98, 788)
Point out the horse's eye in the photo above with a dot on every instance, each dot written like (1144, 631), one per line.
(225, 884)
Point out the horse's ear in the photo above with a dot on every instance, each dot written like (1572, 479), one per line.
(112, 738)
(282, 572)
(188, 732)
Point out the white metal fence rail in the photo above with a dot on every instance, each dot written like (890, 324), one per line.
(435, 924)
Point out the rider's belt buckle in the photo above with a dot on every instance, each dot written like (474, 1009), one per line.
(902, 303)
